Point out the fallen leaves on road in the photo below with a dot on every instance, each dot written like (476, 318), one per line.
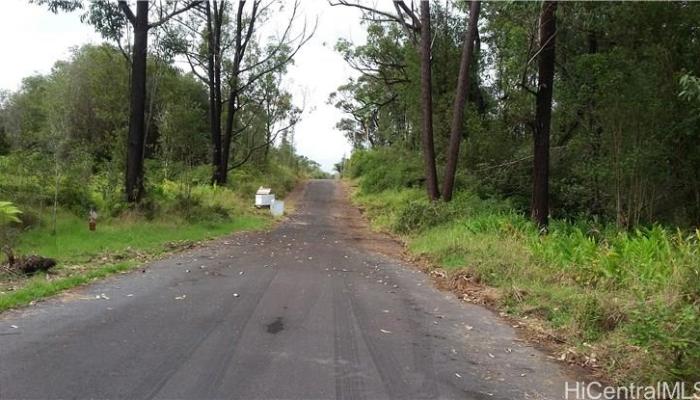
(102, 296)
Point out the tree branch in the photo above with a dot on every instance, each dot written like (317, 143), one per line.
(127, 11)
(174, 13)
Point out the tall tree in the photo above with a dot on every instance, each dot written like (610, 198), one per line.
(412, 25)
(208, 51)
(543, 114)
(240, 47)
(137, 113)
(205, 47)
(215, 12)
(243, 77)
(431, 183)
(460, 100)
(103, 15)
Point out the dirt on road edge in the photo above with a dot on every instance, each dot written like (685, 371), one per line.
(466, 288)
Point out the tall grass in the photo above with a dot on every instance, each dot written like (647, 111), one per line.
(633, 295)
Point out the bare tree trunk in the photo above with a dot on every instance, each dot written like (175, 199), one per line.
(431, 183)
(460, 100)
(137, 102)
(233, 96)
(135, 149)
(214, 22)
(543, 115)
(228, 135)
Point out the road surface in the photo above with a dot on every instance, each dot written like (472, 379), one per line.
(302, 312)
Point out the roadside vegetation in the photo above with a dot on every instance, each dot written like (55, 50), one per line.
(544, 156)
(624, 301)
(176, 215)
(119, 155)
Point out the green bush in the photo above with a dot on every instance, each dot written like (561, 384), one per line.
(76, 198)
(421, 214)
(384, 169)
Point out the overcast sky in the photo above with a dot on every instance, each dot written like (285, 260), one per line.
(36, 39)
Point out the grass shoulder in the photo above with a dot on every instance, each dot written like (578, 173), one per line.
(117, 246)
(174, 217)
(625, 303)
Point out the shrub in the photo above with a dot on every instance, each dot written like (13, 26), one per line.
(76, 198)
(421, 214)
(384, 169)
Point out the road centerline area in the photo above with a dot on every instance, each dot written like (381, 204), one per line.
(300, 312)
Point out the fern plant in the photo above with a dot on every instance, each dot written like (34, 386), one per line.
(8, 213)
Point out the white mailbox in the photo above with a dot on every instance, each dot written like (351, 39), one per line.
(264, 197)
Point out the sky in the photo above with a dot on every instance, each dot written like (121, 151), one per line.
(38, 38)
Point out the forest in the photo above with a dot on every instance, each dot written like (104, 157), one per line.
(549, 150)
(162, 134)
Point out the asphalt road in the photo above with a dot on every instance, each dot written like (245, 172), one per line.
(301, 312)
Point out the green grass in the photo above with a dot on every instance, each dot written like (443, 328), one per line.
(74, 243)
(84, 256)
(180, 208)
(634, 296)
(39, 287)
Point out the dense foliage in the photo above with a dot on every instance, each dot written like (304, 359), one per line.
(625, 143)
(624, 302)
(64, 136)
